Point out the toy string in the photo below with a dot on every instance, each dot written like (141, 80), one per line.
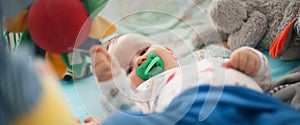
(84, 48)
(79, 50)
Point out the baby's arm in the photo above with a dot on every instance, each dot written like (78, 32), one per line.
(113, 82)
(251, 62)
(116, 95)
(264, 75)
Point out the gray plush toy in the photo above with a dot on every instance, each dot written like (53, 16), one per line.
(254, 23)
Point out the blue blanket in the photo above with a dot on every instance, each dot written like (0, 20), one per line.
(214, 106)
(279, 67)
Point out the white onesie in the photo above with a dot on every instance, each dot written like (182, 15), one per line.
(156, 93)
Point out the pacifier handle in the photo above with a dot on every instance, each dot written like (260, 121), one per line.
(151, 67)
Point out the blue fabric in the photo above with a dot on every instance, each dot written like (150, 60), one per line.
(2, 43)
(279, 67)
(20, 87)
(12, 7)
(235, 106)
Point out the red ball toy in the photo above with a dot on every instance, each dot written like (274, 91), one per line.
(55, 25)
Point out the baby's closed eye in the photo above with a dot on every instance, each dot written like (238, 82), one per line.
(144, 51)
(129, 70)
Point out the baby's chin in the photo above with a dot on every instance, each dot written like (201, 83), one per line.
(136, 82)
(159, 78)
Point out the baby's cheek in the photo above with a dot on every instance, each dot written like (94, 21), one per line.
(135, 79)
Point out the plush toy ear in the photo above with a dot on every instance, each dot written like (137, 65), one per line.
(283, 41)
(55, 24)
(228, 15)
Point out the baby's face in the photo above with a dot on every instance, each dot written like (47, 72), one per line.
(131, 50)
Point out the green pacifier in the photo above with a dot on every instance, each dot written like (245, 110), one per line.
(153, 66)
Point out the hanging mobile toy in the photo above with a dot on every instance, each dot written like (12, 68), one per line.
(66, 33)
(153, 66)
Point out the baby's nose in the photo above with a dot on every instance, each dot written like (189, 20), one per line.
(141, 60)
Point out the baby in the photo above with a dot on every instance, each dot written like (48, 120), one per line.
(131, 76)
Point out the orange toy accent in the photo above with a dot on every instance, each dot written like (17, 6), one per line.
(278, 44)
(57, 64)
(17, 23)
(101, 28)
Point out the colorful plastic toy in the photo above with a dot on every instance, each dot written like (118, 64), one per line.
(59, 28)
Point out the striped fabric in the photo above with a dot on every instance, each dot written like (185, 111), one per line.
(12, 40)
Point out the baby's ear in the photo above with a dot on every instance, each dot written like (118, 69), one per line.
(228, 15)
(169, 50)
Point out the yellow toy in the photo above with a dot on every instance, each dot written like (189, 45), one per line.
(30, 94)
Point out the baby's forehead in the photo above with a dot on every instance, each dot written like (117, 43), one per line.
(127, 45)
(133, 38)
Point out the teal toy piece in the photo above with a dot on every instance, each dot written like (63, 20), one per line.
(153, 66)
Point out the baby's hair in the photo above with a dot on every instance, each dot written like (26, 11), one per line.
(112, 41)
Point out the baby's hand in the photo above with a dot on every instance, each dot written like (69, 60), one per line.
(104, 66)
(92, 120)
(244, 60)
